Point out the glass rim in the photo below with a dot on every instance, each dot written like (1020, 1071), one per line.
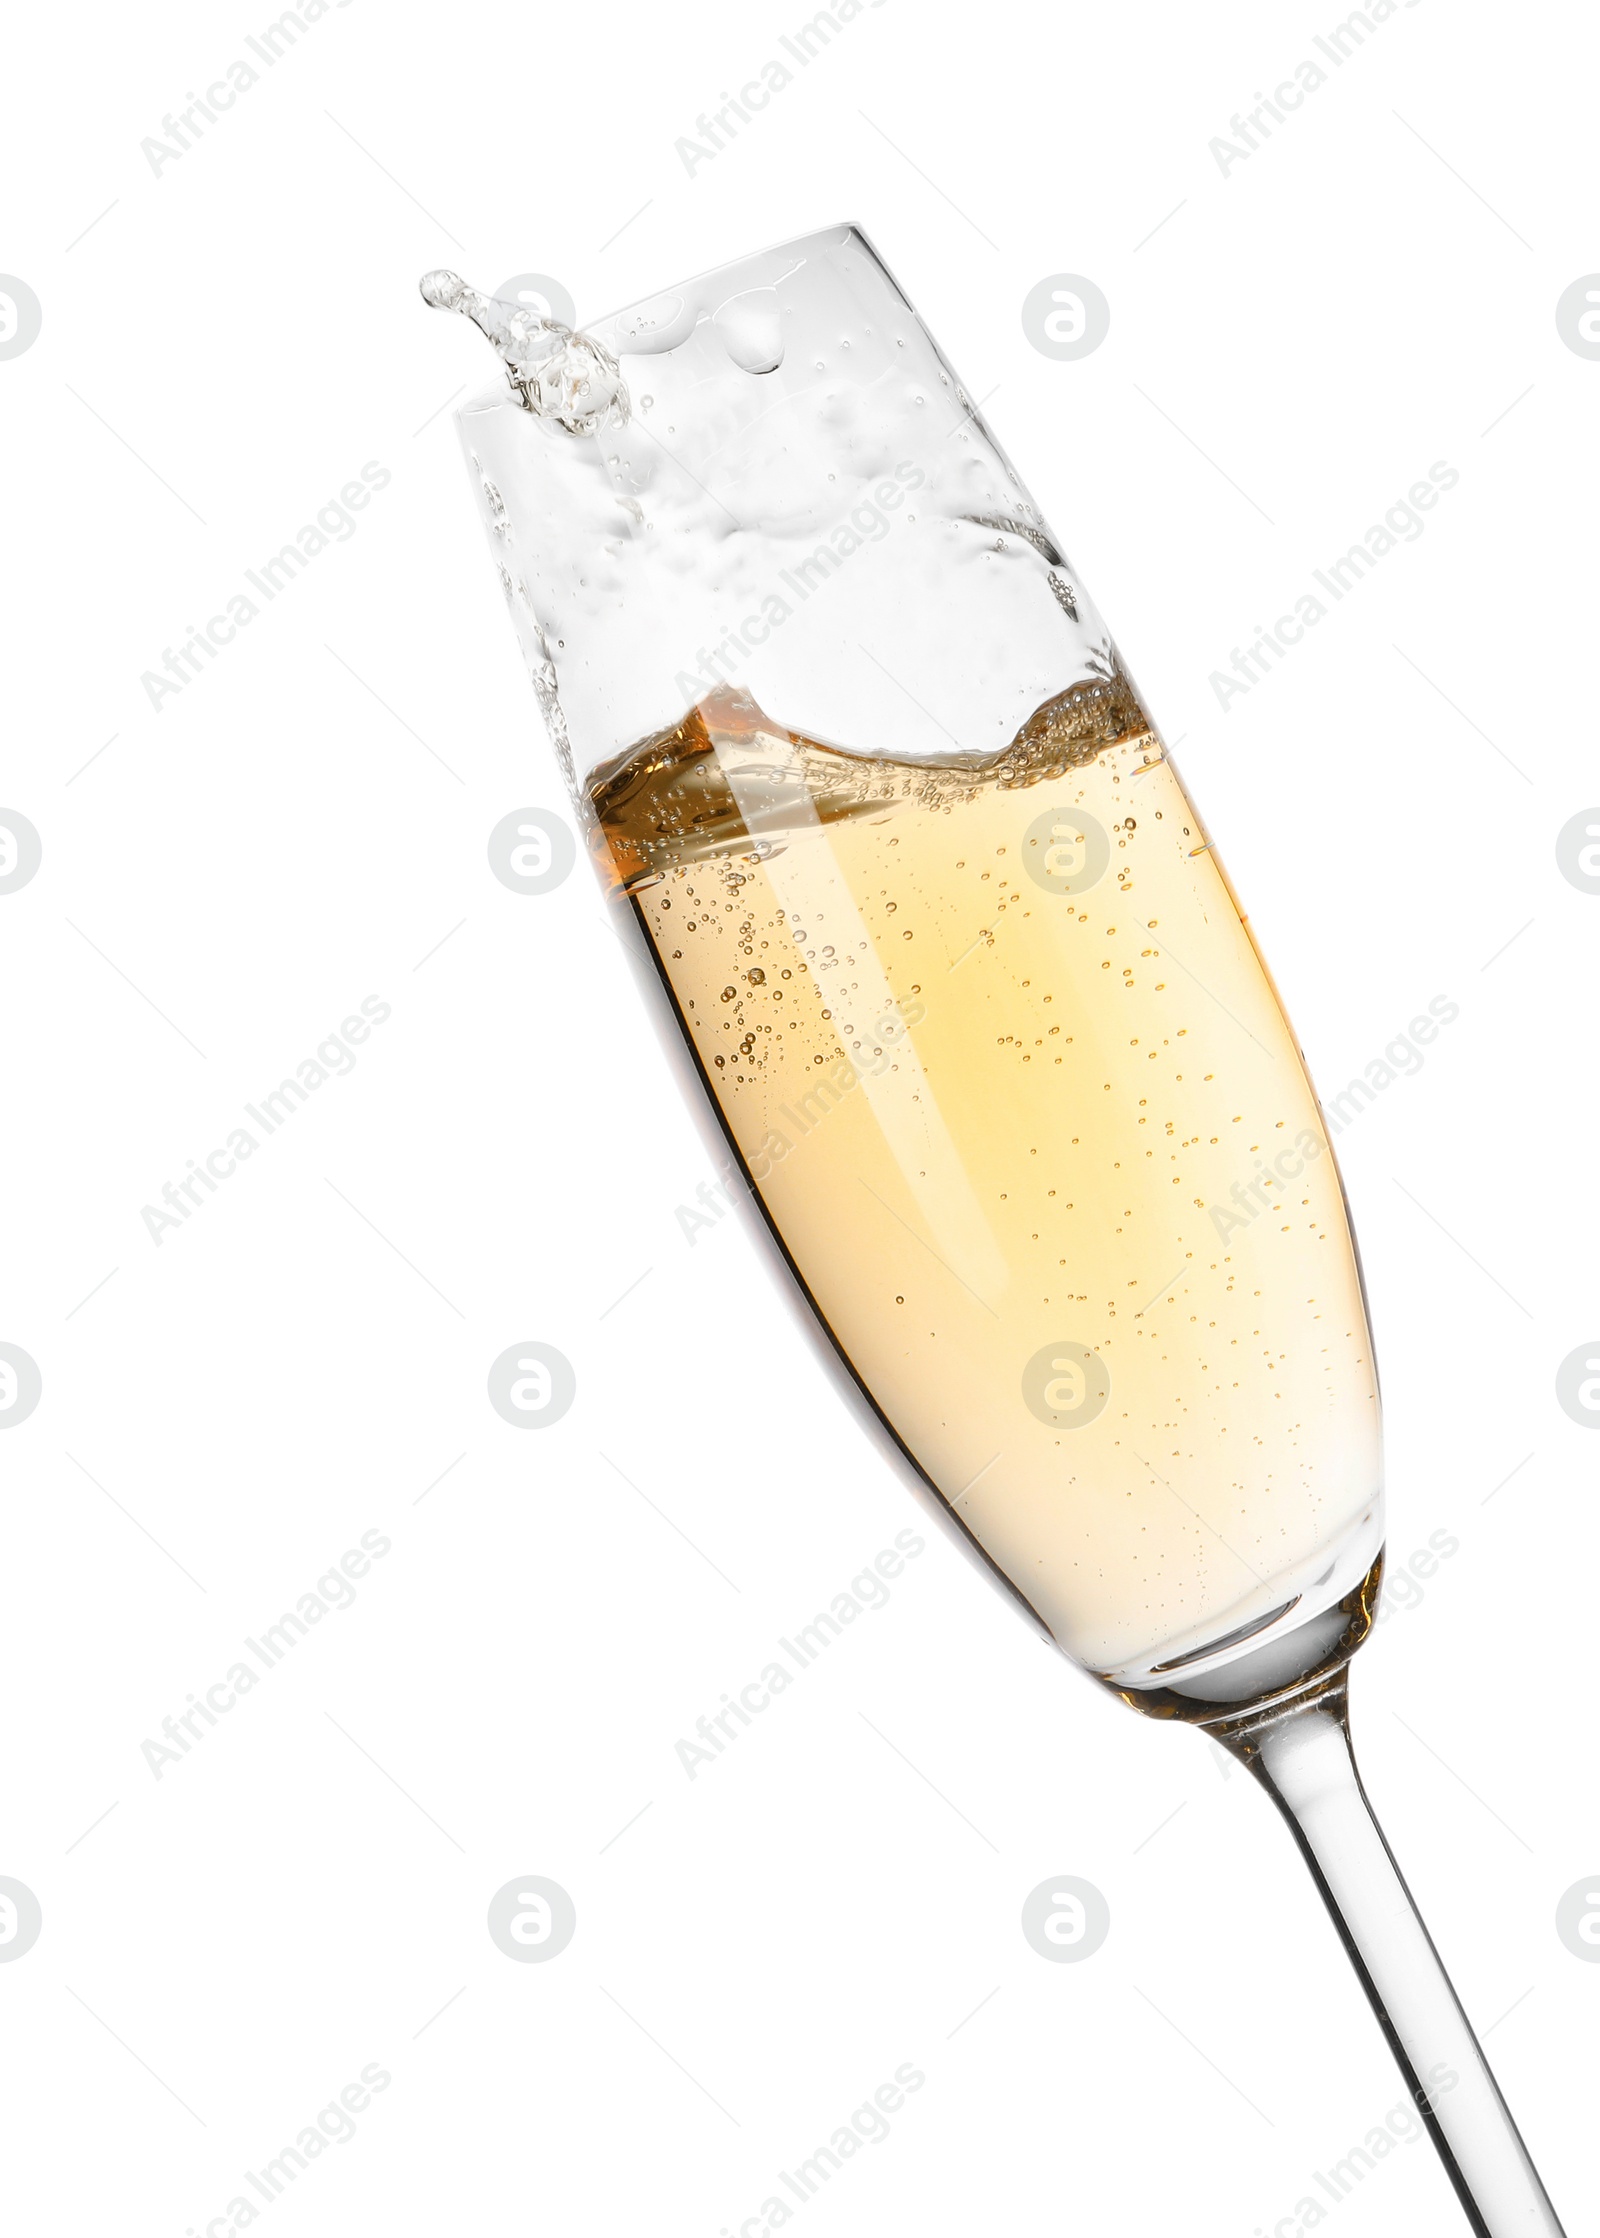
(596, 328)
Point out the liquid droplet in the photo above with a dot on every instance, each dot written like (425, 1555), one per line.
(750, 329)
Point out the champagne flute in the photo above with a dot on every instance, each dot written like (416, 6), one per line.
(962, 993)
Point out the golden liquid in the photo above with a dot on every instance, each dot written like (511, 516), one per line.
(1002, 1062)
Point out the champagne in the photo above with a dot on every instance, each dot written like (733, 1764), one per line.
(1012, 1084)
(985, 1031)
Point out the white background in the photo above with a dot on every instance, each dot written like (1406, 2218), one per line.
(304, 1893)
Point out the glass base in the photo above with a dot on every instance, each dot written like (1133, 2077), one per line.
(1255, 1674)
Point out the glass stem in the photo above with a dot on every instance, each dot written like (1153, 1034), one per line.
(1300, 1752)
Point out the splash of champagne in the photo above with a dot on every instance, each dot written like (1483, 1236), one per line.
(555, 373)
